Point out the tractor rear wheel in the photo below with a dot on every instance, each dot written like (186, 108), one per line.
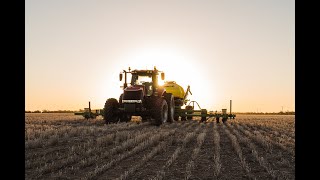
(111, 111)
(170, 102)
(160, 112)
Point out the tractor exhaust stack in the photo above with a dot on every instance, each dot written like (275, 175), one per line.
(230, 105)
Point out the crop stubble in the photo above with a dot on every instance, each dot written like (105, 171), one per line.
(65, 146)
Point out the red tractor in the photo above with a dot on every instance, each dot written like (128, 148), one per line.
(144, 97)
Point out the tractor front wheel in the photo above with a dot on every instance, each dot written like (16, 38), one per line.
(111, 111)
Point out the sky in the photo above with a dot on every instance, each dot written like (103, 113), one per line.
(225, 50)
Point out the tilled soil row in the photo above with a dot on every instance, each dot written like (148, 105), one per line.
(179, 150)
(73, 155)
(99, 158)
(279, 161)
(79, 138)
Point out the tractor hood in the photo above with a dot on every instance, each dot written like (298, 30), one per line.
(134, 88)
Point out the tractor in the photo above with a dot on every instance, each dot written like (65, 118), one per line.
(154, 103)
(143, 97)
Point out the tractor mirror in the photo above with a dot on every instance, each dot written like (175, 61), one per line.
(162, 76)
(120, 77)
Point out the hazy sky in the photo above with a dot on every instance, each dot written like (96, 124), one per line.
(242, 50)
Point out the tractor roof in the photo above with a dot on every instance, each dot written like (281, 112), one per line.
(146, 72)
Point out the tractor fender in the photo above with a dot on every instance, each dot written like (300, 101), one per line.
(160, 91)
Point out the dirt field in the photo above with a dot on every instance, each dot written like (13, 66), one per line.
(65, 146)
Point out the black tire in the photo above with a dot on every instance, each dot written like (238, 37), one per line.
(88, 116)
(189, 108)
(218, 119)
(111, 111)
(183, 118)
(204, 114)
(170, 102)
(123, 117)
(160, 112)
(176, 118)
(224, 120)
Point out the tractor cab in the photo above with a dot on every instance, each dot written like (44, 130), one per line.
(146, 81)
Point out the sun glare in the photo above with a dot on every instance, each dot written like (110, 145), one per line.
(178, 66)
(173, 63)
